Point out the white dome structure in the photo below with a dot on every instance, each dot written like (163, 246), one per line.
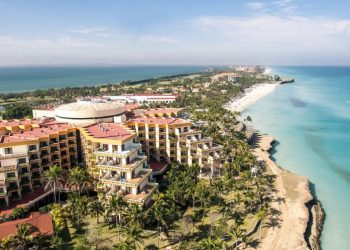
(88, 111)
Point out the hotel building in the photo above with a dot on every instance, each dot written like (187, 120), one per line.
(171, 139)
(29, 147)
(113, 155)
(108, 141)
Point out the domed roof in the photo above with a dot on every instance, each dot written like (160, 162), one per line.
(89, 109)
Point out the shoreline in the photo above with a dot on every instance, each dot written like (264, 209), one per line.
(250, 96)
(299, 214)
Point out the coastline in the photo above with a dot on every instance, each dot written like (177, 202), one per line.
(297, 218)
(298, 215)
(251, 95)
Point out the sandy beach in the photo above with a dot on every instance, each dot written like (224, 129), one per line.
(288, 223)
(251, 95)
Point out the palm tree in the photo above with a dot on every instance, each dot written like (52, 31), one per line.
(134, 235)
(160, 212)
(211, 243)
(135, 215)
(23, 235)
(79, 178)
(77, 209)
(7, 243)
(96, 209)
(54, 180)
(124, 245)
(261, 216)
(116, 205)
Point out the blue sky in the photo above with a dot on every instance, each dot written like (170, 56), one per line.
(276, 32)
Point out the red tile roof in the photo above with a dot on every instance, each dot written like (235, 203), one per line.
(158, 120)
(44, 130)
(161, 111)
(109, 131)
(131, 106)
(43, 222)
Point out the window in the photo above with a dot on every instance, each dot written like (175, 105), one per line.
(8, 151)
(11, 175)
(22, 160)
(32, 147)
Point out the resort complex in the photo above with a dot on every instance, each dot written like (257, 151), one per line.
(116, 149)
(169, 171)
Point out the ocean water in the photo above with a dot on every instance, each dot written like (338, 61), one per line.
(311, 121)
(20, 79)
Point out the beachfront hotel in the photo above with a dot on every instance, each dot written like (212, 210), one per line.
(116, 144)
(167, 138)
(113, 155)
(27, 149)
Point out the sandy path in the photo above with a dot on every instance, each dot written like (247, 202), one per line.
(287, 226)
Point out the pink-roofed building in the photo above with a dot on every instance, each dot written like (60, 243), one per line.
(170, 139)
(27, 149)
(114, 156)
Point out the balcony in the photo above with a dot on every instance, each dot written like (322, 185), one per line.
(23, 172)
(35, 175)
(71, 135)
(54, 149)
(63, 146)
(134, 182)
(62, 138)
(121, 154)
(44, 154)
(72, 142)
(34, 166)
(25, 181)
(112, 165)
(8, 168)
(53, 141)
(12, 188)
(13, 155)
(32, 149)
(43, 145)
(141, 198)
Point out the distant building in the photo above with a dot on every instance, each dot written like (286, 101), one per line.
(145, 98)
(226, 77)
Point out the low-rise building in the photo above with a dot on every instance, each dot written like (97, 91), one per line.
(41, 222)
(225, 77)
(145, 98)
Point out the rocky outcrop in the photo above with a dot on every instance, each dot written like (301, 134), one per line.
(314, 228)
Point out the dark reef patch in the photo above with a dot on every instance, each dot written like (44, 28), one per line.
(298, 103)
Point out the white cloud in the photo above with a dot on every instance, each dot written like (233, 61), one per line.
(275, 39)
(286, 7)
(257, 39)
(97, 31)
(157, 39)
(255, 5)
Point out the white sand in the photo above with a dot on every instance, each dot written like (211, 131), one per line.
(288, 202)
(251, 95)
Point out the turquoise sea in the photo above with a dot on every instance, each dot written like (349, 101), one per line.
(20, 79)
(311, 121)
